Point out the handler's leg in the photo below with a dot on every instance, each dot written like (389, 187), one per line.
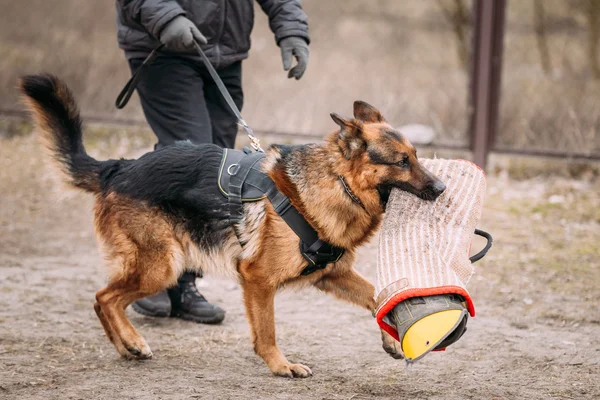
(223, 120)
(189, 304)
(172, 95)
(171, 92)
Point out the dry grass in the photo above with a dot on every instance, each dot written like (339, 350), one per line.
(401, 56)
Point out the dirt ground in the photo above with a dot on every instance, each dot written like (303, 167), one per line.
(536, 334)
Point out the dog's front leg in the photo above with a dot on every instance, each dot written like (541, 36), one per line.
(259, 298)
(349, 285)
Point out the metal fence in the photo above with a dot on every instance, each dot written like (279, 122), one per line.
(489, 19)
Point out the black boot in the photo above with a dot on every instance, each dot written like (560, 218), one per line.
(158, 305)
(187, 302)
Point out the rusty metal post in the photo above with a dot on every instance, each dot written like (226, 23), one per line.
(486, 69)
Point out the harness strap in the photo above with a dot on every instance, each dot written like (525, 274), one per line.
(317, 252)
(239, 174)
(284, 208)
(247, 172)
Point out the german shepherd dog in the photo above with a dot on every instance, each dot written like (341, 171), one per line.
(163, 213)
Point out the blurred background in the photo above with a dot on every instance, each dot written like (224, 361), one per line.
(409, 58)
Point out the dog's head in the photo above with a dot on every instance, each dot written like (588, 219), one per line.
(382, 156)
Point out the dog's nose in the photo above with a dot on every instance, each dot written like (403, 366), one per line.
(438, 188)
(432, 190)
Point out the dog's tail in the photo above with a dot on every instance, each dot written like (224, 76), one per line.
(57, 118)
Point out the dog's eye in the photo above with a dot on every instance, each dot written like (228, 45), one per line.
(403, 163)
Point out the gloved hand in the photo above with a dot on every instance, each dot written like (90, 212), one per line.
(179, 34)
(296, 46)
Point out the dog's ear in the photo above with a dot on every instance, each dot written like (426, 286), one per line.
(350, 139)
(367, 113)
(343, 123)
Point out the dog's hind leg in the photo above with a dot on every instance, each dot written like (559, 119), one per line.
(113, 300)
(109, 332)
(147, 271)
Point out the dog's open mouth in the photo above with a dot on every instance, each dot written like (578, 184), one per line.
(384, 194)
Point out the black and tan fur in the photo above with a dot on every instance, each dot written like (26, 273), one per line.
(162, 213)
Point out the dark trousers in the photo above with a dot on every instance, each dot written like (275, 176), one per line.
(182, 102)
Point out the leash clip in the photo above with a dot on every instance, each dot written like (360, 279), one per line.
(254, 142)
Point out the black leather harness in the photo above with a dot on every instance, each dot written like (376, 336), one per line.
(241, 180)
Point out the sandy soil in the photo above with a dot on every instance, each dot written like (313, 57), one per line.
(536, 335)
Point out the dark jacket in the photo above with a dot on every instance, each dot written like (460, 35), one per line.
(226, 24)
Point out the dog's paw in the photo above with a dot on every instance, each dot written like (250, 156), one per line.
(138, 351)
(391, 346)
(293, 371)
(140, 354)
(393, 352)
(126, 355)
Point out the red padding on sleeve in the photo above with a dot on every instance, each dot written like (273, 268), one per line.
(407, 294)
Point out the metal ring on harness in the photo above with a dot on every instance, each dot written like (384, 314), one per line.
(237, 168)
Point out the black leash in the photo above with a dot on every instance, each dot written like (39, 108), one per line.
(125, 95)
(127, 92)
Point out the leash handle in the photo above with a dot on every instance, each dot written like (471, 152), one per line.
(484, 251)
(125, 95)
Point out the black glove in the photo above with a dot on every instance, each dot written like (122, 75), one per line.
(296, 46)
(179, 34)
